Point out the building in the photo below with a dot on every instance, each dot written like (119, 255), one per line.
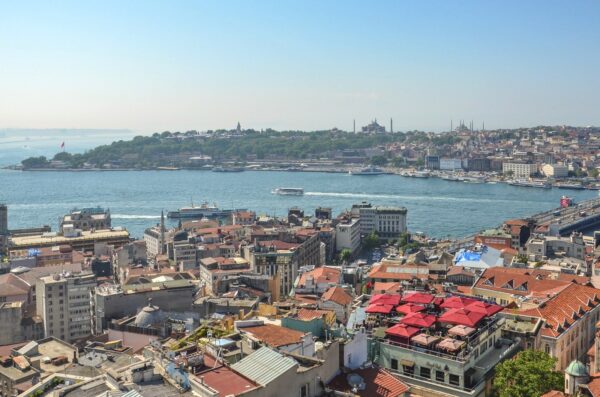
(338, 300)
(432, 162)
(245, 218)
(451, 353)
(79, 241)
(86, 219)
(318, 280)
(519, 170)
(570, 317)
(173, 292)
(64, 304)
(373, 128)
(555, 170)
(17, 325)
(347, 235)
(184, 252)
(215, 271)
(512, 286)
(388, 222)
(450, 164)
(542, 247)
(281, 338)
(275, 258)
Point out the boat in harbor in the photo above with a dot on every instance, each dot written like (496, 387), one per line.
(289, 191)
(474, 179)
(528, 183)
(367, 171)
(205, 210)
(569, 185)
(228, 169)
(451, 177)
(417, 174)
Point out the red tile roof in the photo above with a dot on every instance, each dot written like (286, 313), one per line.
(273, 335)
(522, 282)
(383, 287)
(379, 383)
(322, 274)
(381, 271)
(594, 386)
(554, 393)
(338, 295)
(226, 381)
(311, 314)
(564, 308)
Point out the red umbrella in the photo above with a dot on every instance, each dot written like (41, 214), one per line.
(402, 331)
(418, 297)
(488, 309)
(461, 317)
(419, 320)
(457, 302)
(387, 299)
(408, 308)
(379, 308)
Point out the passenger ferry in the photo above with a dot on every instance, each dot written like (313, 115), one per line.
(289, 191)
(367, 171)
(205, 210)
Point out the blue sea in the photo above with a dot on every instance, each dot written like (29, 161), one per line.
(437, 207)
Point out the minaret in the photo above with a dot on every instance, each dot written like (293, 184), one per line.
(391, 125)
(354, 126)
(162, 232)
(450, 125)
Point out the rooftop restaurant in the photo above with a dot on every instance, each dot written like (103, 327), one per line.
(436, 341)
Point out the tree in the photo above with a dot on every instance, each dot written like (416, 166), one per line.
(379, 160)
(509, 173)
(35, 162)
(345, 255)
(521, 258)
(530, 374)
(593, 172)
(371, 241)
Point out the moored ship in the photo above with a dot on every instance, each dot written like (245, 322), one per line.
(289, 191)
(205, 210)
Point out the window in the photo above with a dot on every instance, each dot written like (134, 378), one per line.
(304, 390)
(409, 370)
(394, 364)
(547, 348)
(454, 380)
(440, 376)
(425, 372)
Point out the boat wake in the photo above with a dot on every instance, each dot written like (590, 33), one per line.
(125, 216)
(407, 198)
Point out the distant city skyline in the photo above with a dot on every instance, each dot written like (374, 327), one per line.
(155, 66)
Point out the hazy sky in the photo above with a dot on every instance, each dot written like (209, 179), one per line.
(179, 65)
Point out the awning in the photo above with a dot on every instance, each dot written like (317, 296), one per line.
(407, 363)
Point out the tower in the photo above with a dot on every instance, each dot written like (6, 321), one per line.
(576, 374)
(3, 219)
(162, 232)
(391, 125)
(354, 126)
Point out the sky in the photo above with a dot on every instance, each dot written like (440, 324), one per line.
(152, 66)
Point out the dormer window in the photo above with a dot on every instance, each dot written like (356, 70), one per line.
(539, 277)
(573, 316)
(489, 281)
(508, 285)
(581, 311)
(522, 287)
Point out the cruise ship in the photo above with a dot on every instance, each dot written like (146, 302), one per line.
(205, 210)
(289, 191)
(367, 171)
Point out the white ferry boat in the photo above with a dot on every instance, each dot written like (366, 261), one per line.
(367, 171)
(205, 210)
(289, 191)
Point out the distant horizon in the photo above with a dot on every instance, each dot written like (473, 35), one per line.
(291, 65)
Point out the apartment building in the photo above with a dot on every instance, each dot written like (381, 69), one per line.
(64, 303)
(388, 222)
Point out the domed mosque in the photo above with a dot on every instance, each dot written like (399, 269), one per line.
(149, 316)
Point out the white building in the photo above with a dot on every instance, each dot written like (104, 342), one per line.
(450, 164)
(520, 170)
(555, 170)
(387, 222)
(347, 235)
(64, 303)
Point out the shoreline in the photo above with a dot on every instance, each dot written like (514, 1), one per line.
(403, 172)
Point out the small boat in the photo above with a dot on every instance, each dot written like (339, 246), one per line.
(367, 171)
(289, 191)
(228, 169)
(473, 179)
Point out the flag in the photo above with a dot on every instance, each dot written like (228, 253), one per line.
(62, 145)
